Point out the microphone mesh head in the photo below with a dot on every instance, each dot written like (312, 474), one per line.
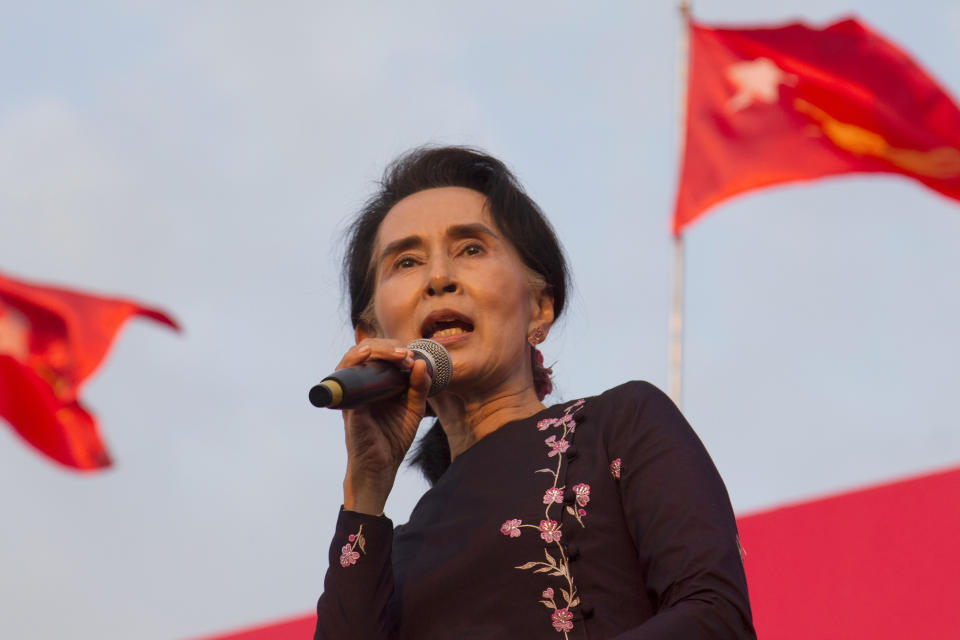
(438, 358)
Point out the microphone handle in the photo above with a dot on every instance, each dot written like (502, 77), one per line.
(354, 386)
(376, 380)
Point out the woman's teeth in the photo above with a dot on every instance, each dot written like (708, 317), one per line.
(452, 331)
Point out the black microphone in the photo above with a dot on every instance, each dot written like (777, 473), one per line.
(376, 380)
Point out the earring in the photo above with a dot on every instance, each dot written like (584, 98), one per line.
(537, 337)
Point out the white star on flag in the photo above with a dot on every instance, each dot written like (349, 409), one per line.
(756, 81)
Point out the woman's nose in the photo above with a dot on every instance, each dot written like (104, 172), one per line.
(441, 281)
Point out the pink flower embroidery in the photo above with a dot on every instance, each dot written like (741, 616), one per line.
(553, 494)
(546, 423)
(583, 493)
(615, 468)
(550, 531)
(348, 556)
(511, 528)
(556, 446)
(562, 620)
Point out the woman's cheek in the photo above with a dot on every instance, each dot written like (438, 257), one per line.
(391, 308)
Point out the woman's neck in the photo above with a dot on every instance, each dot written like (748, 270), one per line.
(466, 420)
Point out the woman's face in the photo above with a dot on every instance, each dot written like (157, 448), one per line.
(444, 271)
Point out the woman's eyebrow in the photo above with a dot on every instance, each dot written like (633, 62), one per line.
(471, 230)
(402, 244)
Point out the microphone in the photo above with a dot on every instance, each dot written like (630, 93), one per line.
(376, 380)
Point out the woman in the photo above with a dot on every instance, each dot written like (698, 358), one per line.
(599, 518)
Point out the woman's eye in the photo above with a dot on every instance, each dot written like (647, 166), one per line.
(405, 263)
(472, 249)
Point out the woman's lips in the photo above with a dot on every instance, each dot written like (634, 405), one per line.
(446, 324)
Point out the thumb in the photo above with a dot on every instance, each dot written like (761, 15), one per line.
(419, 382)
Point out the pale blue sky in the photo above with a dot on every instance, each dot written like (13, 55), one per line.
(204, 157)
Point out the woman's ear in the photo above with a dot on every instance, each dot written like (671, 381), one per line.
(542, 316)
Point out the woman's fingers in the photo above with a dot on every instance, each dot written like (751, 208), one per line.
(377, 349)
(419, 381)
(355, 355)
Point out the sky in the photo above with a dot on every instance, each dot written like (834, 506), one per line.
(206, 157)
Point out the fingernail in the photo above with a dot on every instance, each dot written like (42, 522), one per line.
(402, 350)
(363, 348)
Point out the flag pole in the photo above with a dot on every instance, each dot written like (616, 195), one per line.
(675, 323)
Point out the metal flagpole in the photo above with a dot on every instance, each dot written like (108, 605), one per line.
(675, 370)
(675, 323)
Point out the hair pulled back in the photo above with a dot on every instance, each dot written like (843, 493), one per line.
(515, 214)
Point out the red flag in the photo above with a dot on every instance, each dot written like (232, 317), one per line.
(879, 563)
(791, 103)
(51, 340)
(292, 629)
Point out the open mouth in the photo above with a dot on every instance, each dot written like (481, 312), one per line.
(445, 324)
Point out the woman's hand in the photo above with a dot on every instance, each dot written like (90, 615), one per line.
(379, 435)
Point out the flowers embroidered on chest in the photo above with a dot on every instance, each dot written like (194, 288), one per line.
(347, 554)
(549, 528)
(615, 468)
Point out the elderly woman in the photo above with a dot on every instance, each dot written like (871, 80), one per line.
(598, 518)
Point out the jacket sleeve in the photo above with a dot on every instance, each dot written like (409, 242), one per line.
(681, 521)
(358, 585)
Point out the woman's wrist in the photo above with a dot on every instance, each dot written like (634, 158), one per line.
(362, 498)
(367, 508)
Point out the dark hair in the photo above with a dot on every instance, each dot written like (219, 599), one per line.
(516, 216)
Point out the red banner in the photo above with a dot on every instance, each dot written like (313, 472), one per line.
(51, 340)
(879, 563)
(774, 105)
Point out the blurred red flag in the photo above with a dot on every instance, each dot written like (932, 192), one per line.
(773, 105)
(878, 563)
(51, 340)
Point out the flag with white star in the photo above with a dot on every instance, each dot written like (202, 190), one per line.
(774, 105)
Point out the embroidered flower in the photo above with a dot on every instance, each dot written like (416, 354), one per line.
(562, 620)
(556, 567)
(582, 492)
(511, 528)
(553, 494)
(546, 423)
(550, 531)
(348, 556)
(615, 468)
(556, 446)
